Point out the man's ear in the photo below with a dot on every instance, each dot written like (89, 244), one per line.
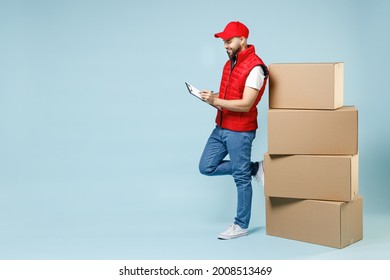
(242, 40)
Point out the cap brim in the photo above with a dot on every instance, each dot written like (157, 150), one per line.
(223, 35)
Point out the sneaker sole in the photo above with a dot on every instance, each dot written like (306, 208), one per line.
(225, 237)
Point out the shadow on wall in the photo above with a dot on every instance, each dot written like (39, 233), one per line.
(374, 177)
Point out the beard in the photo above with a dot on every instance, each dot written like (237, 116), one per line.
(232, 52)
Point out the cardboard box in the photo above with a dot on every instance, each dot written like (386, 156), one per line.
(323, 177)
(328, 223)
(313, 131)
(306, 86)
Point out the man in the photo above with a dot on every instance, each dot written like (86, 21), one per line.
(242, 85)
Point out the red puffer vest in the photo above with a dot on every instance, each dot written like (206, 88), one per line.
(232, 87)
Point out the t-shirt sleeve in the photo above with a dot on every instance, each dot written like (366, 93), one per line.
(255, 78)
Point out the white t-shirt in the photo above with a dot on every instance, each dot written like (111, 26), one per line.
(255, 78)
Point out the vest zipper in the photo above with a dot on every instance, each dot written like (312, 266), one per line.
(227, 83)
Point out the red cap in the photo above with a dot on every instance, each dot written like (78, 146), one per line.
(233, 29)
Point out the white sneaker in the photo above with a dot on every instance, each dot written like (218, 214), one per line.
(233, 231)
(259, 177)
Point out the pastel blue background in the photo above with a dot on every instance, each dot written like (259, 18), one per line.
(100, 141)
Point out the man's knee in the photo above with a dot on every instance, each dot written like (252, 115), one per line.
(205, 169)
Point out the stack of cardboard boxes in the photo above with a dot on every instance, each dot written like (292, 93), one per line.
(311, 168)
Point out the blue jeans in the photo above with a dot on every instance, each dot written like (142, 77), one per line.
(238, 145)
